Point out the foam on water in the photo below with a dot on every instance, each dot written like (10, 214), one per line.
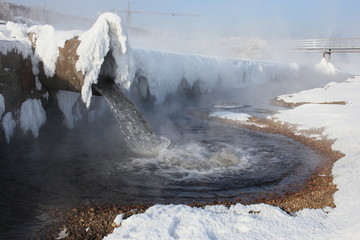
(193, 161)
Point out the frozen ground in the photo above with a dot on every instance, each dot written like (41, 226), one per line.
(264, 221)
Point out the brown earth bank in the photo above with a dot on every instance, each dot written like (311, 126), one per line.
(95, 222)
(283, 103)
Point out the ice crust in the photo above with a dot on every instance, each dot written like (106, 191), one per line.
(32, 116)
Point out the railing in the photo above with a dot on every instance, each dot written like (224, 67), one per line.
(344, 45)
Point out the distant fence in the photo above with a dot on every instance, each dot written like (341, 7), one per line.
(327, 46)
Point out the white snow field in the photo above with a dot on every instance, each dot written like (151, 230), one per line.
(266, 222)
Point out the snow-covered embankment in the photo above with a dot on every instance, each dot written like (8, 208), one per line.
(61, 60)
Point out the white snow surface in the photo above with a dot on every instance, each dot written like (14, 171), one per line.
(32, 116)
(107, 34)
(327, 94)
(118, 219)
(262, 221)
(218, 222)
(8, 125)
(240, 117)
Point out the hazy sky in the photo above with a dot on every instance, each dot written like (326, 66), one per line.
(255, 18)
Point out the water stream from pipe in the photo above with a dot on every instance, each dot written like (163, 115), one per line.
(134, 128)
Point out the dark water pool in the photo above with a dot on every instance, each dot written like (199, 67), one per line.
(92, 165)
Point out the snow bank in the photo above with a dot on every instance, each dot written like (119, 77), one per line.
(330, 93)
(218, 222)
(240, 117)
(107, 34)
(32, 116)
(164, 71)
(340, 122)
(8, 125)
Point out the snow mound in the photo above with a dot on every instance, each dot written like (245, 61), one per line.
(107, 34)
(32, 116)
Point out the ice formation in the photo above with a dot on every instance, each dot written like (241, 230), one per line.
(13, 38)
(2, 105)
(32, 116)
(107, 34)
(8, 125)
(165, 70)
(67, 104)
(48, 42)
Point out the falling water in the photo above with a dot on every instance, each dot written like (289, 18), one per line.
(135, 129)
